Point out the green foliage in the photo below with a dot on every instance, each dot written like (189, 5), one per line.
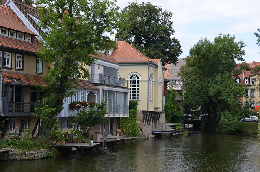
(172, 108)
(29, 144)
(73, 29)
(208, 77)
(149, 29)
(129, 125)
(230, 124)
(90, 117)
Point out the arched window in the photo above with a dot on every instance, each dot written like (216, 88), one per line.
(134, 79)
(151, 87)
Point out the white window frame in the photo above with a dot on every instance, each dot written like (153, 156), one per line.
(39, 65)
(18, 58)
(82, 96)
(20, 33)
(10, 31)
(253, 81)
(246, 80)
(252, 94)
(6, 31)
(28, 38)
(237, 80)
(247, 93)
(151, 79)
(134, 84)
(7, 61)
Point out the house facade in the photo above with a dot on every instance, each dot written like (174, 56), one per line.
(252, 91)
(21, 71)
(145, 80)
(91, 90)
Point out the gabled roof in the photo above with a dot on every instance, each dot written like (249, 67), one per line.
(127, 53)
(105, 57)
(10, 20)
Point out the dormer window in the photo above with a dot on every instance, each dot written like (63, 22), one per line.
(28, 38)
(237, 80)
(253, 81)
(20, 35)
(12, 33)
(3, 31)
(246, 81)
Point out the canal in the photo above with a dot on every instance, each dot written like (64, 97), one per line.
(202, 152)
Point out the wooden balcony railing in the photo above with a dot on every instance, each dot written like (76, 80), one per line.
(18, 107)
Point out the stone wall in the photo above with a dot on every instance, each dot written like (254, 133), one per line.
(12, 155)
(148, 125)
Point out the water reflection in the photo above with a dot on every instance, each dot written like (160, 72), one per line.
(203, 152)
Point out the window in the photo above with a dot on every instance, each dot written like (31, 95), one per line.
(82, 96)
(12, 33)
(7, 60)
(151, 87)
(134, 79)
(237, 80)
(246, 93)
(3, 31)
(28, 38)
(18, 62)
(253, 104)
(253, 81)
(246, 81)
(39, 65)
(252, 93)
(20, 35)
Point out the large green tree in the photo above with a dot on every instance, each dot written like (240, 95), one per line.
(149, 29)
(172, 107)
(73, 29)
(208, 76)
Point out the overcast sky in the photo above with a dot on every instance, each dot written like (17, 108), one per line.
(196, 19)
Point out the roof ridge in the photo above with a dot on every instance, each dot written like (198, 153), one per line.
(137, 51)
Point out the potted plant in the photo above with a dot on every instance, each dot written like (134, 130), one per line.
(117, 134)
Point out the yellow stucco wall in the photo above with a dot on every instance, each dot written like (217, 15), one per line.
(29, 64)
(156, 103)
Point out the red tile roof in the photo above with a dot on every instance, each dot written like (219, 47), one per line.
(18, 44)
(83, 84)
(127, 53)
(10, 20)
(105, 57)
(247, 74)
(25, 78)
(156, 61)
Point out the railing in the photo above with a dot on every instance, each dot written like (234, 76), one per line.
(107, 80)
(17, 107)
(120, 109)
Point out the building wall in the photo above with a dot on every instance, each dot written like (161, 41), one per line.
(144, 72)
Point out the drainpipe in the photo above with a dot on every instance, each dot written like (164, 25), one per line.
(148, 92)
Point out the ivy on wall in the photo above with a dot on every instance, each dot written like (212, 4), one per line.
(129, 125)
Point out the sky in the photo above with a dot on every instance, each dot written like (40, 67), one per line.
(196, 19)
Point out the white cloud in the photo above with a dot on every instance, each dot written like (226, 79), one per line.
(193, 20)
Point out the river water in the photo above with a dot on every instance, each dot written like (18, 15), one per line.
(202, 152)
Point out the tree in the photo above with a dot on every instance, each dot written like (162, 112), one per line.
(209, 80)
(149, 29)
(172, 107)
(74, 29)
(90, 117)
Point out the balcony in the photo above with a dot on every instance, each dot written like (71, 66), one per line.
(106, 80)
(21, 107)
(117, 111)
